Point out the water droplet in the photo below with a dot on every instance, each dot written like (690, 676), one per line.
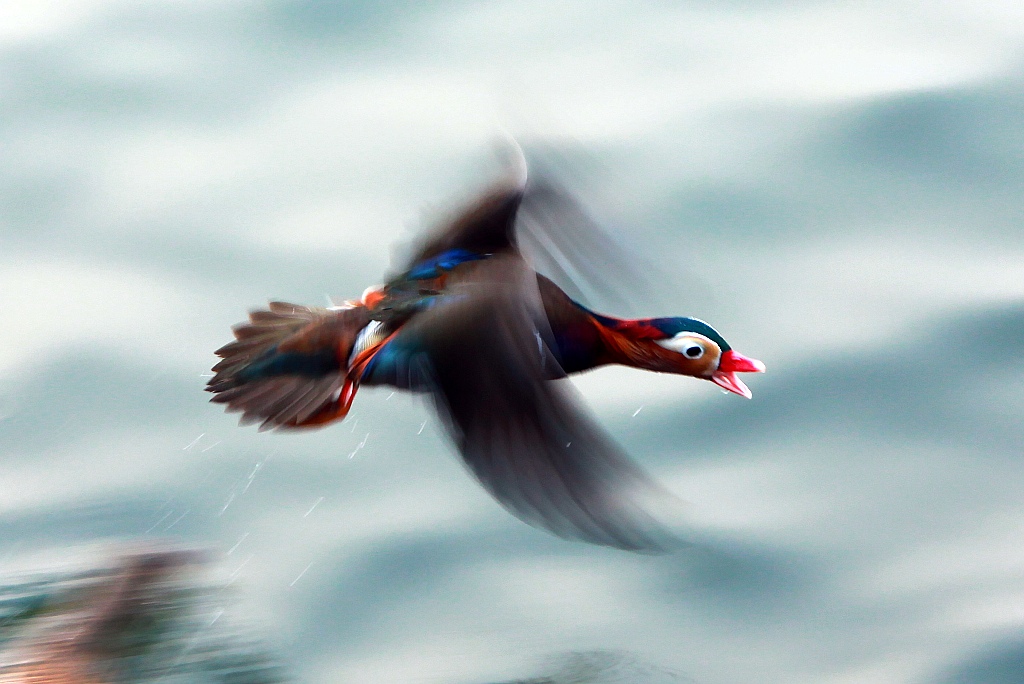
(238, 570)
(178, 519)
(157, 523)
(300, 575)
(230, 499)
(237, 544)
(359, 446)
(317, 503)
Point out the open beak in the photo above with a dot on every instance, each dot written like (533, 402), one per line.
(729, 365)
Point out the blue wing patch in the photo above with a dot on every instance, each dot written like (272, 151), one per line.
(399, 363)
(445, 261)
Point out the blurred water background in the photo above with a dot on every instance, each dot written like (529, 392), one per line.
(837, 187)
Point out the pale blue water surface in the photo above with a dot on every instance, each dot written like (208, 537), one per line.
(835, 186)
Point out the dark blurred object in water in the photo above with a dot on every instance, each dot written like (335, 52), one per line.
(468, 319)
(146, 618)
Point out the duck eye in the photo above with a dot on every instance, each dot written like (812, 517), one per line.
(693, 351)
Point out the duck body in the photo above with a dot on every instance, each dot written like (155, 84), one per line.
(468, 321)
(577, 346)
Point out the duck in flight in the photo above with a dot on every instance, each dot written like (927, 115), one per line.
(468, 321)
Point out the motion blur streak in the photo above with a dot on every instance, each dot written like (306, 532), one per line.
(146, 618)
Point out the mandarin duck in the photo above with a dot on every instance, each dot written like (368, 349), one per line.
(468, 321)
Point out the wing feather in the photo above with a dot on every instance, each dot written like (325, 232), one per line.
(487, 226)
(286, 364)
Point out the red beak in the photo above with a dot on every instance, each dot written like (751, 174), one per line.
(729, 365)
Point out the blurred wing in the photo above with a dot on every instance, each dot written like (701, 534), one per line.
(552, 230)
(287, 365)
(524, 436)
(560, 239)
(485, 227)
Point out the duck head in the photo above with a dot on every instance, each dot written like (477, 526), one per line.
(687, 346)
(704, 353)
(701, 351)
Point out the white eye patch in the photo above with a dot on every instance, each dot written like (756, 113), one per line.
(690, 345)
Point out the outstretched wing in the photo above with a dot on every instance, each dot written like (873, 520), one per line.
(485, 227)
(525, 436)
(286, 366)
(541, 220)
